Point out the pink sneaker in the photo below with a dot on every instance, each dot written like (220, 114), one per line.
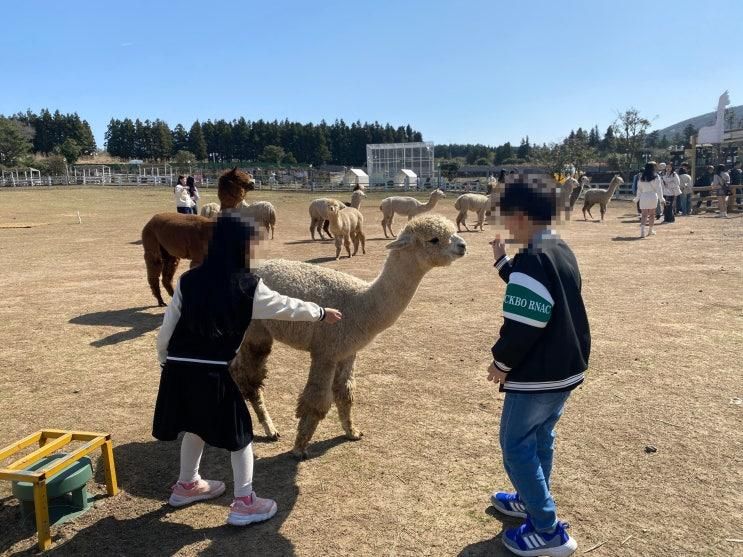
(246, 510)
(187, 493)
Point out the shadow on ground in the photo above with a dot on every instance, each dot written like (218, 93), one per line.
(146, 470)
(135, 320)
(492, 547)
(625, 238)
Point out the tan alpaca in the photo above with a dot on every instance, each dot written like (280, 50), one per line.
(346, 225)
(262, 212)
(408, 206)
(368, 309)
(602, 197)
(319, 214)
(472, 202)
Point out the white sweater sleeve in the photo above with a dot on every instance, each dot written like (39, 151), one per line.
(268, 304)
(170, 319)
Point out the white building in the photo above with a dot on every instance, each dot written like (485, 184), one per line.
(385, 160)
(406, 179)
(356, 177)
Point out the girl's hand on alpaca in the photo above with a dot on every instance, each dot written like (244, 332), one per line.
(496, 375)
(499, 247)
(332, 316)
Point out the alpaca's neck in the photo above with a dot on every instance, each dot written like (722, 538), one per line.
(392, 290)
(612, 188)
(429, 205)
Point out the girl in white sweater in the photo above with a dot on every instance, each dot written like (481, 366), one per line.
(649, 193)
(671, 190)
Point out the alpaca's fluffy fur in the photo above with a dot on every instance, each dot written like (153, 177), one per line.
(407, 206)
(347, 226)
(368, 309)
(169, 237)
(471, 202)
(602, 197)
(569, 192)
(210, 210)
(319, 214)
(263, 213)
(356, 198)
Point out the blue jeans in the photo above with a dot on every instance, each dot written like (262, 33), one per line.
(685, 203)
(527, 440)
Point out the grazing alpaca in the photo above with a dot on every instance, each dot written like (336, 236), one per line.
(263, 213)
(169, 237)
(346, 225)
(210, 210)
(319, 214)
(232, 187)
(472, 202)
(408, 206)
(368, 309)
(602, 197)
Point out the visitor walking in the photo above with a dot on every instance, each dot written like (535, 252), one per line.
(736, 182)
(183, 201)
(671, 190)
(193, 193)
(721, 183)
(203, 327)
(649, 195)
(540, 356)
(686, 190)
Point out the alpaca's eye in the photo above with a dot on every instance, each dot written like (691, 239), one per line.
(434, 240)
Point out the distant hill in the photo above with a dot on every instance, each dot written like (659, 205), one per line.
(700, 121)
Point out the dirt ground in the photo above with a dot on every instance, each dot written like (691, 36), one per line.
(77, 345)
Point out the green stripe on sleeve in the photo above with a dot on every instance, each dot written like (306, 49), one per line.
(521, 302)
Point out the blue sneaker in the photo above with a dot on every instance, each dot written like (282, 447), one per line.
(527, 542)
(508, 503)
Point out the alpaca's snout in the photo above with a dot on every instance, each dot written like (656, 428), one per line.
(458, 245)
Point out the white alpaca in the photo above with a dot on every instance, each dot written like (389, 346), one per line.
(347, 226)
(356, 198)
(368, 309)
(472, 202)
(210, 210)
(263, 213)
(408, 206)
(319, 214)
(602, 197)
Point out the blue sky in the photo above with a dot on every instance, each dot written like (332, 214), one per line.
(464, 71)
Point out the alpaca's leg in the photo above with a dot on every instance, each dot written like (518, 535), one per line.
(361, 236)
(355, 239)
(326, 228)
(314, 402)
(343, 393)
(347, 245)
(589, 212)
(249, 371)
(170, 264)
(154, 264)
(584, 212)
(338, 242)
(460, 218)
(480, 219)
(312, 228)
(272, 229)
(389, 224)
(602, 207)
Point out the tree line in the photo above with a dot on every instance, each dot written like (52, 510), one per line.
(244, 140)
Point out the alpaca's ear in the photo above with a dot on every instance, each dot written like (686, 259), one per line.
(402, 241)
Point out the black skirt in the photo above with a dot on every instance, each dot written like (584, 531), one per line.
(202, 399)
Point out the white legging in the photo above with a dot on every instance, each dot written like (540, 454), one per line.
(192, 448)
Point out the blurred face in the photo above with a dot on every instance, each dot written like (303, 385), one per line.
(519, 227)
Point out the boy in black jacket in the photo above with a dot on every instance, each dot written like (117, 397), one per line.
(539, 358)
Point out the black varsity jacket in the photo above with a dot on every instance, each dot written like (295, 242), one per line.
(545, 339)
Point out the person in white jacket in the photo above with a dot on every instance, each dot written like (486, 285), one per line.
(183, 201)
(202, 330)
(671, 190)
(649, 194)
(721, 181)
(193, 193)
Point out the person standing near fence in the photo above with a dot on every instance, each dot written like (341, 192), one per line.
(686, 190)
(649, 195)
(736, 181)
(705, 181)
(721, 181)
(183, 201)
(671, 189)
(193, 193)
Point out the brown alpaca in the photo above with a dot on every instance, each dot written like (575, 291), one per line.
(169, 237)
(232, 187)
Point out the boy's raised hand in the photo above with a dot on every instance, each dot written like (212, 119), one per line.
(332, 316)
(499, 247)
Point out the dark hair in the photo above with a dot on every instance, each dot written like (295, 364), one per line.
(181, 177)
(191, 185)
(720, 168)
(531, 195)
(649, 174)
(221, 280)
(502, 176)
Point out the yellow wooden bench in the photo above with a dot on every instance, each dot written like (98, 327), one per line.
(51, 441)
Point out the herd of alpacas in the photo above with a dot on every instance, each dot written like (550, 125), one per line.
(369, 308)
